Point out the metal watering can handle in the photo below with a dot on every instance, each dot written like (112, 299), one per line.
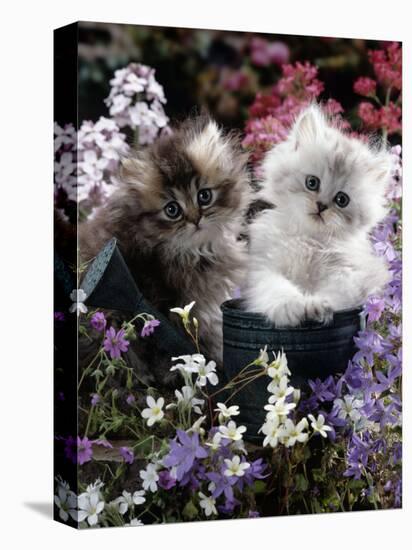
(109, 284)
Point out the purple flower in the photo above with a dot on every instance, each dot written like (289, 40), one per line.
(115, 343)
(324, 391)
(166, 481)
(374, 308)
(59, 316)
(78, 450)
(148, 327)
(183, 452)
(130, 399)
(253, 514)
(95, 399)
(127, 454)
(98, 321)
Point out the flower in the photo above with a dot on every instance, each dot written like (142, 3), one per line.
(272, 430)
(263, 52)
(95, 399)
(318, 425)
(184, 450)
(90, 506)
(66, 501)
(98, 321)
(208, 504)
(187, 398)
(234, 467)
(127, 501)
(150, 477)
(365, 86)
(115, 343)
(231, 431)
(149, 327)
(166, 481)
(136, 99)
(280, 408)
(279, 367)
(130, 399)
(127, 454)
(290, 433)
(206, 372)
(184, 313)
(226, 412)
(78, 296)
(154, 412)
(280, 390)
(348, 407)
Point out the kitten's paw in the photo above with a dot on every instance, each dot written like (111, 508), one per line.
(318, 309)
(288, 314)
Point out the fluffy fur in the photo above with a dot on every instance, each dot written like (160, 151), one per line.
(310, 256)
(196, 256)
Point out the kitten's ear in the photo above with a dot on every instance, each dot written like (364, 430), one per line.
(382, 167)
(309, 126)
(211, 150)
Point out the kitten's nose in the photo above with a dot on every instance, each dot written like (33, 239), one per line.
(321, 207)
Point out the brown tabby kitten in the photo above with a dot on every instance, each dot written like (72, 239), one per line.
(177, 216)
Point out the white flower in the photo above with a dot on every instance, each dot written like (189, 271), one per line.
(279, 366)
(78, 296)
(319, 425)
(226, 412)
(215, 443)
(235, 468)
(189, 366)
(290, 433)
(66, 501)
(127, 500)
(263, 358)
(154, 412)
(149, 477)
(206, 373)
(348, 406)
(187, 398)
(134, 523)
(184, 313)
(280, 390)
(231, 431)
(272, 430)
(197, 426)
(208, 504)
(280, 408)
(90, 506)
(95, 487)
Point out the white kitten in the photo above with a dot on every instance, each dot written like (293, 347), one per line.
(311, 254)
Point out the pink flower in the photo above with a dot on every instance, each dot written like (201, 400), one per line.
(115, 343)
(391, 118)
(263, 52)
(235, 81)
(98, 321)
(365, 86)
(387, 64)
(369, 115)
(300, 80)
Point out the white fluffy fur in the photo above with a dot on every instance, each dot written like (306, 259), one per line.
(306, 266)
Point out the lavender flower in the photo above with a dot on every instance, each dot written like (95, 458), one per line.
(115, 342)
(183, 452)
(98, 321)
(149, 327)
(127, 454)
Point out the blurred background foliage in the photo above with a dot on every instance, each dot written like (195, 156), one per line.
(218, 70)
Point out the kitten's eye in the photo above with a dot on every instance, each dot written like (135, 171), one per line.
(204, 197)
(341, 199)
(173, 210)
(312, 183)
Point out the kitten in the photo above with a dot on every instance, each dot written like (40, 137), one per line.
(177, 216)
(311, 255)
